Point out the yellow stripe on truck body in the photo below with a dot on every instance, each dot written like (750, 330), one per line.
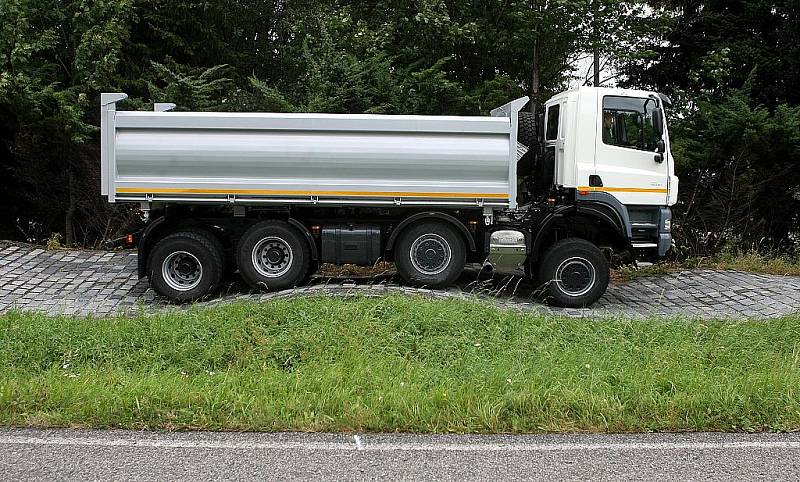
(653, 190)
(285, 192)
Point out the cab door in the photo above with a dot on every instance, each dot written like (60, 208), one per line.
(553, 144)
(630, 162)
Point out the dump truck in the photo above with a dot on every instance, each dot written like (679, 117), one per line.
(557, 195)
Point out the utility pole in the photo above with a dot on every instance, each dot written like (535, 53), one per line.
(596, 42)
(534, 93)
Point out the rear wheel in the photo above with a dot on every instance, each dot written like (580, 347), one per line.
(430, 254)
(273, 255)
(186, 265)
(574, 273)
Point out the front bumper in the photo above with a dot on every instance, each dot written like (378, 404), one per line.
(664, 231)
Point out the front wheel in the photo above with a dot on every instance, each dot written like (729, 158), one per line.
(574, 273)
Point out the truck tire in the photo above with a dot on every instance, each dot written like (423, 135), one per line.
(526, 129)
(430, 254)
(574, 273)
(273, 255)
(185, 266)
(214, 239)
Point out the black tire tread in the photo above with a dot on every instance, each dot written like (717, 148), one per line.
(406, 269)
(526, 129)
(211, 237)
(305, 259)
(551, 291)
(205, 239)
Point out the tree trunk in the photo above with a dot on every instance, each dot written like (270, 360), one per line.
(535, 76)
(596, 68)
(69, 231)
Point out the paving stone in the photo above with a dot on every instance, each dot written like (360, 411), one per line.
(101, 283)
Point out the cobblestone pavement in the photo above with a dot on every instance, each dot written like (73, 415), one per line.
(100, 283)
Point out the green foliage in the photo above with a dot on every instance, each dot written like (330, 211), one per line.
(55, 56)
(58, 54)
(191, 88)
(732, 67)
(431, 57)
(397, 363)
(744, 157)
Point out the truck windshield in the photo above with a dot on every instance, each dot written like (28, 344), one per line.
(628, 122)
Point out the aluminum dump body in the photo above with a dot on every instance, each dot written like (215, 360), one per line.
(345, 159)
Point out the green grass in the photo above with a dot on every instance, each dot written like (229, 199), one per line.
(744, 261)
(397, 364)
(752, 262)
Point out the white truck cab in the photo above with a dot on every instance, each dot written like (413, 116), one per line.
(605, 141)
(611, 146)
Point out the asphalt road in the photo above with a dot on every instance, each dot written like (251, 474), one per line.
(71, 454)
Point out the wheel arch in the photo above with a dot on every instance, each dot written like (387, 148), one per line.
(592, 221)
(161, 227)
(312, 244)
(432, 215)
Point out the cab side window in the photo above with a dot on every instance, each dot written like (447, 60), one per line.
(628, 122)
(552, 122)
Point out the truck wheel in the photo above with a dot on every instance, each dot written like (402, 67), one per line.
(575, 273)
(430, 254)
(185, 266)
(273, 255)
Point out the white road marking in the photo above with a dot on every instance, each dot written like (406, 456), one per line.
(359, 445)
(89, 441)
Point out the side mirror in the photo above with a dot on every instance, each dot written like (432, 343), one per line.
(658, 121)
(661, 148)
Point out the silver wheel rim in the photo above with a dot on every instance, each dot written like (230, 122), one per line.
(575, 276)
(430, 254)
(272, 257)
(182, 271)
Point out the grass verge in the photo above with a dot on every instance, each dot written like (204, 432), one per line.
(751, 262)
(397, 364)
